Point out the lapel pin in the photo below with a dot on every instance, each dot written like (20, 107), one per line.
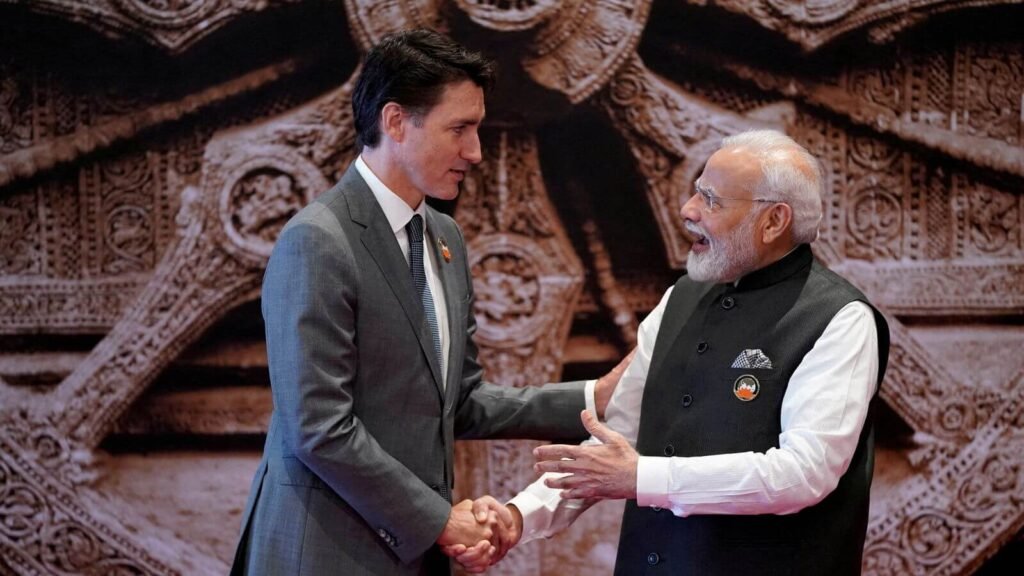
(444, 250)
(746, 388)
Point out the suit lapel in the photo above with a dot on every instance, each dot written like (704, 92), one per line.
(380, 242)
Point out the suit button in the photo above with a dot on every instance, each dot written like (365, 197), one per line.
(670, 450)
(728, 302)
(687, 400)
(702, 347)
(653, 558)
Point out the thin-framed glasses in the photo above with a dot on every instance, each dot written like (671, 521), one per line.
(711, 202)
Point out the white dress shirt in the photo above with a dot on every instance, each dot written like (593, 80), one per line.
(399, 214)
(822, 414)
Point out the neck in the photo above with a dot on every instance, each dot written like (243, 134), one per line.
(775, 252)
(381, 162)
(767, 255)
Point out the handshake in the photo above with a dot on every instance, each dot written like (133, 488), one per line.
(480, 532)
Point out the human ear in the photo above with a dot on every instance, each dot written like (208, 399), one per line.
(392, 121)
(777, 220)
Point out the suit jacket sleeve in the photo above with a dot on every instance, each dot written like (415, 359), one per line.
(485, 410)
(309, 305)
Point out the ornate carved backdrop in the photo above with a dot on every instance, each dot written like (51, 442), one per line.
(150, 151)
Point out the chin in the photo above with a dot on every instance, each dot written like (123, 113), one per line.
(448, 194)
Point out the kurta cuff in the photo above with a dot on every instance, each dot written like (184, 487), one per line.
(652, 475)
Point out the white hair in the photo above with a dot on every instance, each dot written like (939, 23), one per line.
(790, 174)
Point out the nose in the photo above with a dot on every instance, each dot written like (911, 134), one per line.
(691, 209)
(471, 151)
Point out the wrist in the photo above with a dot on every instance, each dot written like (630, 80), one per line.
(517, 521)
(602, 394)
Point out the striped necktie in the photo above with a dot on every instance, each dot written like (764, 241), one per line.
(419, 280)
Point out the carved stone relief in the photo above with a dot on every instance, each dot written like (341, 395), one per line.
(144, 220)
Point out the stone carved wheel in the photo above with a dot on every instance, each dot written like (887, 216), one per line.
(137, 213)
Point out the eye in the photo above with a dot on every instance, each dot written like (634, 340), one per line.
(458, 130)
(709, 200)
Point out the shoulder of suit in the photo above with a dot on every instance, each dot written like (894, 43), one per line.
(445, 221)
(323, 212)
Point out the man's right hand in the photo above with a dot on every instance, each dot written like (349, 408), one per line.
(506, 525)
(606, 384)
(463, 527)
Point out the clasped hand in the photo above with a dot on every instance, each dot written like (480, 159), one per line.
(480, 532)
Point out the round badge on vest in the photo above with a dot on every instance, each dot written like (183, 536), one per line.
(746, 387)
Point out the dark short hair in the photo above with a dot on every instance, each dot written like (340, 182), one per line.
(411, 68)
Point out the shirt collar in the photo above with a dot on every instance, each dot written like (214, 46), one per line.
(796, 260)
(395, 209)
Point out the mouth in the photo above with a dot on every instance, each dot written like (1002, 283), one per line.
(699, 242)
(459, 174)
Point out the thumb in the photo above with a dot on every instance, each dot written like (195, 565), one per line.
(596, 429)
(480, 510)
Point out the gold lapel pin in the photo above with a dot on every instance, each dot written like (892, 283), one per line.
(444, 250)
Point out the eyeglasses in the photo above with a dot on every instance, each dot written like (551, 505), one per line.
(712, 202)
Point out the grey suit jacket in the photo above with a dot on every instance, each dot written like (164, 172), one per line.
(356, 474)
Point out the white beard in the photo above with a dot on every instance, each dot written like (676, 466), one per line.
(726, 259)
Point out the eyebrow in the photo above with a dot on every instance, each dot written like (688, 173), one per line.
(698, 187)
(466, 121)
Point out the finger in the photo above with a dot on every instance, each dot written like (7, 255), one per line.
(474, 555)
(481, 506)
(562, 466)
(579, 493)
(555, 452)
(566, 482)
(504, 515)
(454, 550)
(478, 558)
(487, 504)
(603, 433)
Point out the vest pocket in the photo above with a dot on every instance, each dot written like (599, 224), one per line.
(751, 411)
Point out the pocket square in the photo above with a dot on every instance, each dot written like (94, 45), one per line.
(752, 359)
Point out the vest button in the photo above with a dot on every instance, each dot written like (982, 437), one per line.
(653, 558)
(687, 400)
(702, 347)
(670, 450)
(728, 303)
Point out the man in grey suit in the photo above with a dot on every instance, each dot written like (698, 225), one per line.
(368, 301)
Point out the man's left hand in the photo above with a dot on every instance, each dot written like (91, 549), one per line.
(602, 471)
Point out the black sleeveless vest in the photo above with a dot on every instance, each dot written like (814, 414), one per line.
(690, 409)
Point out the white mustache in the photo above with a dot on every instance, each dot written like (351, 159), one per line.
(694, 229)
